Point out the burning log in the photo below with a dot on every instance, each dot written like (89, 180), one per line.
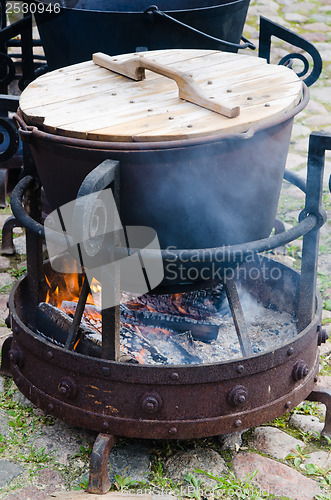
(138, 336)
(201, 330)
(138, 344)
(196, 305)
(54, 325)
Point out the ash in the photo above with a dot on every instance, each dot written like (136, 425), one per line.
(267, 328)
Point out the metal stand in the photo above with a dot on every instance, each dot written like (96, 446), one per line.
(311, 219)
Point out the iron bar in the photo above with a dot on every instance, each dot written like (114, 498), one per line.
(5, 368)
(8, 103)
(104, 175)
(318, 143)
(225, 253)
(27, 53)
(111, 321)
(74, 329)
(237, 315)
(3, 186)
(295, 179)
(34, 254)
(20, 213)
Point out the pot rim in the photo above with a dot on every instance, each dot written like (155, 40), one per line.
(29, 131)
(220, 3)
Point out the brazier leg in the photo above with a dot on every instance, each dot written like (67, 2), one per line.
(7, 245)
(323, 395)
(99, 479)
(3, 186)
(5, 360)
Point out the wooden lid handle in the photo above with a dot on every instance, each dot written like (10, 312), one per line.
(188, 90)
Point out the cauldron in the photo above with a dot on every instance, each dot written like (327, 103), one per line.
(203, 191)
(83, 27)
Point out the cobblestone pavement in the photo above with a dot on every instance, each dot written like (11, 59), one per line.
(41, 456)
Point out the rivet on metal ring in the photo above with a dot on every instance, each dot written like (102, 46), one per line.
(237, 396)
(151, 402)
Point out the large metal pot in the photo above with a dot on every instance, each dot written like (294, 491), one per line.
(115, 27)
(204, 188)
(195, 194)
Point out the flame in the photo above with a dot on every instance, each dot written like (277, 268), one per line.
(68, 287)
(95, 286)
(76, 344)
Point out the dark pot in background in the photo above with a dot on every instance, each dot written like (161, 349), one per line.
(117, 27)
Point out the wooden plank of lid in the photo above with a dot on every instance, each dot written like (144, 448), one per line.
(90, 102)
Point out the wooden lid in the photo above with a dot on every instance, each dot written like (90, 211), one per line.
(87, 101)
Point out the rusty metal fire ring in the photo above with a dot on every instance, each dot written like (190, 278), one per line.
(158, 401)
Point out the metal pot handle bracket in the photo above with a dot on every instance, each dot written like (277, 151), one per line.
(134, 68)
(269, 28)
(153, 9)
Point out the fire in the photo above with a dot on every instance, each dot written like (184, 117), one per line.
(63, 291)
(76, 344)
(67, 287)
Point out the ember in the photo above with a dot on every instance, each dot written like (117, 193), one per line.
(150, 334)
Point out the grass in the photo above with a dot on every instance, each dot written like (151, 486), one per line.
(21, 426)
(17, 272)
(325, 365)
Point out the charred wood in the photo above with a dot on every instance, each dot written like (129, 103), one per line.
(196, 305)
(54, 325)
(201, 330)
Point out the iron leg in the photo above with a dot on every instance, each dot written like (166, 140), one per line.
(323, 395)
(7, 245)
(5, 368)
(3, 187)
(99, 482)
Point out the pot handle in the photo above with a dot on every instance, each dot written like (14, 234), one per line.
(153, 9)
(134, 68)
